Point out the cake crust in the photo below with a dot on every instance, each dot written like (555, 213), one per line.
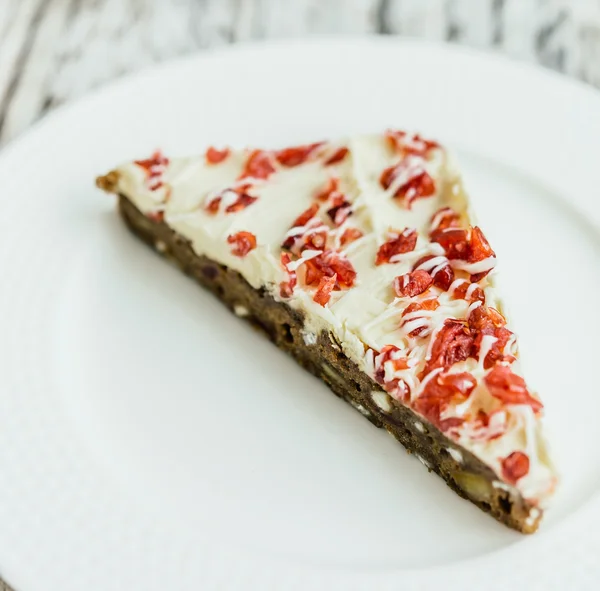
(323, 356)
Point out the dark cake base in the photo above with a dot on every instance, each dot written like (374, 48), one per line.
(470, 478)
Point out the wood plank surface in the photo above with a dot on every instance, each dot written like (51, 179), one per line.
(52, 51)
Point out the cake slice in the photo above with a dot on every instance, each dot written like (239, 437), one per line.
(361, 259)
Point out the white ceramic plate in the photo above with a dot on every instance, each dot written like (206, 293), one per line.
(150, 440)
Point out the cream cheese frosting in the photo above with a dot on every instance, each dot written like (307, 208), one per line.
(371, 196)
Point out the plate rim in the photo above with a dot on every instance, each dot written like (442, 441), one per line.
(266, 45)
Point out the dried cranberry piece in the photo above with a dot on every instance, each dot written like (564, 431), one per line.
(483, 321)
(439, 268)
(450, 423)
(243, 200)
(444, 218)
(510, 388)
(419, 183)
(323, 293)
(350, 235)
(314, 240)
(388, 176)
(213, 206)
(399, 243)
(296, 155)
(496, 355)
(466, 245)
(328, 264)
(453, 343)
(397, 387)
(476, 295)
(406, 143)
(485, 317)
(487, 427)
(259, 165)
(426, 259)
(515, 466)
(455, 242)
(412, 284)
(340, 211)
(477, 277)
(331, 188)
(215, 156)
(389, 353)
(480, 248)
(337, 156)
(305, 216)
(427, 305)
(460, 292)
(286, 288)
(440, 392)
(243, 243)
(444, 278)
(154, 166)
(309, 237)
(157, 159)
(417, 187)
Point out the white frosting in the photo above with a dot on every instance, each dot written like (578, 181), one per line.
(369, 315)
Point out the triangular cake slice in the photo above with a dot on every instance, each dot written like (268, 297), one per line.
(362, 260)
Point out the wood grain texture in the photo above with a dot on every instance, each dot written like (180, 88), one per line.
(52, 51)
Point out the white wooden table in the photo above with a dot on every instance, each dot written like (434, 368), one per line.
(52, 51)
